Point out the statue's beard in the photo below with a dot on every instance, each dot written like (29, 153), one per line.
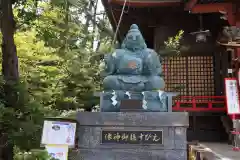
(134, 47)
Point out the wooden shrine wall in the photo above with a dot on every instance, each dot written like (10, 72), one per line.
(189, 75)
(200, 71)
(196, 74)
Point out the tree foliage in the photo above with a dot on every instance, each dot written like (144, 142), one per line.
(33, 155)
(58, 44)
(173, 43)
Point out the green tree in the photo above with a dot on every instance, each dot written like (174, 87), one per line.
(9, 70)
(23, 123)
(58, 65)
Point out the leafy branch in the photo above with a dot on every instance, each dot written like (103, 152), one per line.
(173, 43)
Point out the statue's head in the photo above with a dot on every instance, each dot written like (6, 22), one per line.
(134, 39)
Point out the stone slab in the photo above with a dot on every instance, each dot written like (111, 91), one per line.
(155, 101)
(173, 138)
(170, 95)
(129, 154)
(91, 125)
(173, 119)
(215, 151)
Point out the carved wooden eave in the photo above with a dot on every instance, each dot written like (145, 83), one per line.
(137, 3)
(230, 44)
(150, 14)
(139, 12)
(212, 6)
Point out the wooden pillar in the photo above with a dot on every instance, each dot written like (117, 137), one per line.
(221, 64)
(235, 57)
(238, 49)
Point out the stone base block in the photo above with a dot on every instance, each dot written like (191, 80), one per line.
(130, 154)
(149, 101)
(132, 136)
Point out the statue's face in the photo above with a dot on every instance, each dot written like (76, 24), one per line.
(134, 38)
(134, 41)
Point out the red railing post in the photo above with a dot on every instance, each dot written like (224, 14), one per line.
(194, 103)
(178, 105)
(208, 101)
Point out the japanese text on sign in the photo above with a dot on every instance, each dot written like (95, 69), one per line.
(132, 137)
(59, 133)
(232, 95)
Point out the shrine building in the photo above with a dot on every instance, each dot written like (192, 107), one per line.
(200, 70)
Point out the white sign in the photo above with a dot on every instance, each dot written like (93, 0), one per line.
(58, 133)
(239, 76)
(232, 96)
(57, 152)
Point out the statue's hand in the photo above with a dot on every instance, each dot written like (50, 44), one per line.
(153, 64)
(108, 65)
(103, 74)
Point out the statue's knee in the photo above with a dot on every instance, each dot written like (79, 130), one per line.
(157, 82)
(110, 82)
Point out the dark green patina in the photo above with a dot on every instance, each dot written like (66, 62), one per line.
(133, 72)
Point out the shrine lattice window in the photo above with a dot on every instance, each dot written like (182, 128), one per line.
(189, 75)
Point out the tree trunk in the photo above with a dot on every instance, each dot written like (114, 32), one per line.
(94, 24)
(9, 54)
(63, 35)
(88, 19)
(9, 69)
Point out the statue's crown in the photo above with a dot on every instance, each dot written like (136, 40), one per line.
(133, 28)
(132, 44)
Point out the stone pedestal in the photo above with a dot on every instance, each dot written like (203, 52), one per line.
(155, 101)
(132, 136)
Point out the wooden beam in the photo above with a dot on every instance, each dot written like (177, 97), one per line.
(189, 5)
(238, 49)
(216, 8)
(110, 15)
(146, 3)
(211, 8)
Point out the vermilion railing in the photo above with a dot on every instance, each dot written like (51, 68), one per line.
(200, 103)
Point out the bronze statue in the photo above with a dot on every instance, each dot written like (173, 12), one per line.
(133, 72)
(134, 67)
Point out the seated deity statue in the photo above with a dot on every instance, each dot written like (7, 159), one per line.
(133, 67)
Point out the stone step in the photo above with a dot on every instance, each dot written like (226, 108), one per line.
(212, 151)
